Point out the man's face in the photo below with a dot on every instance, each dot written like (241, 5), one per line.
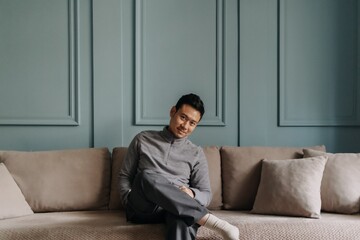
(183, 121)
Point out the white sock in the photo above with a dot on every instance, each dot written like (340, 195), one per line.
(225, 229)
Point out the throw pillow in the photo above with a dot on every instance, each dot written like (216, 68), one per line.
(290, 187)
(241, 171)
(12, 201)
(340, 189)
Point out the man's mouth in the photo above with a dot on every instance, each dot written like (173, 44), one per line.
(182, 131)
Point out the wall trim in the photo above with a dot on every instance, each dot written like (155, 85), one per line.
(284, 119)
(73, 117)
(219, 118)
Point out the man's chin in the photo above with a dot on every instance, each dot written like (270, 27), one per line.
(180, 135)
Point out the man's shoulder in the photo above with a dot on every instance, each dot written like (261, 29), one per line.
(147, 134)
(193, 146)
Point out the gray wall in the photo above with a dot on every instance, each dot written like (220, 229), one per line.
(81, 73)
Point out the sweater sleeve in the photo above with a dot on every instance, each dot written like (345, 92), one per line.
(199, 180)
(128, 170)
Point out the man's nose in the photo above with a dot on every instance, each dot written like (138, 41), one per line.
(185, 124)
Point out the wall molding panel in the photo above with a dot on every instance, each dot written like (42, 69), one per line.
(64, 102)
(154, 70)
(319, 62)
(89, 73)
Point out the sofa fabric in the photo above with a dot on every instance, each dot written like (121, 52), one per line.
(94, 225)
(63, 180)
(12, 201)
(81, 181)
(340, 189)
(118, 154)
(241, 170)
(214, 164)
(290, 187)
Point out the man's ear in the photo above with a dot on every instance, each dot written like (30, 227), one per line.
(172, 111)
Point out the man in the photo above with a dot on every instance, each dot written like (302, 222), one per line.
(164, 177)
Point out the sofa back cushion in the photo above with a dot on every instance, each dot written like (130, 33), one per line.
(214, 164)
(118, 155)
(241, 171)
(212, 155)
(63, 180)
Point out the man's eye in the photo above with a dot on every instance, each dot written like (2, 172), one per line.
(182, 117)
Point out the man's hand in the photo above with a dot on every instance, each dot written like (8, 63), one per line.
(188, 191)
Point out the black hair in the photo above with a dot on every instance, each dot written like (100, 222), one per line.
(193, 100)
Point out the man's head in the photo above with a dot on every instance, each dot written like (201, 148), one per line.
(185, 115)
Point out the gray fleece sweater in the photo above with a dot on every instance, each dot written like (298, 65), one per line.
(179, 160)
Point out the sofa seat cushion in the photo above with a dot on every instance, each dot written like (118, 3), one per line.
(79, 225)
(62, 180)
(112, 225)
(263, 227)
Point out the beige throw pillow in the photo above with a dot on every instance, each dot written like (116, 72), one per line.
(241, 171)
(340, 189)
(290, 187)
(12, 201)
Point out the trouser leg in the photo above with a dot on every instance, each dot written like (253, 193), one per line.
(177, 229)
(139, 209)
(151, 191)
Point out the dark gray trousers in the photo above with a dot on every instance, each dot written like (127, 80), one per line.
(153, 199)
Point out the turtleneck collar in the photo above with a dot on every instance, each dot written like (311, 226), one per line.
(170, 137)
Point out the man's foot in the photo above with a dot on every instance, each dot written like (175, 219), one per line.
(225, 229)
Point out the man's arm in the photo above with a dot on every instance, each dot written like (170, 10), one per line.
(199, 180)
(128, 170)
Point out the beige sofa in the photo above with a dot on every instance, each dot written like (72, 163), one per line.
(71, 194)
